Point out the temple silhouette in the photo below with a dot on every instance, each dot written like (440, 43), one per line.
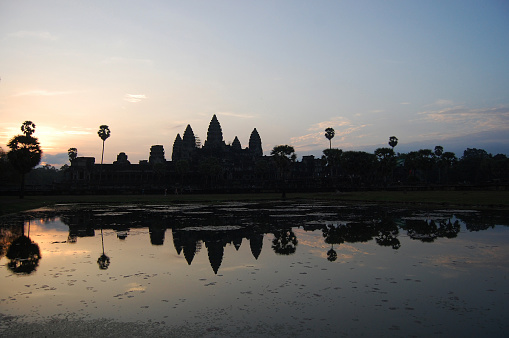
(214, 166)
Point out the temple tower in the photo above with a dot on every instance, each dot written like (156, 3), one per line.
(184, 147)
(176, 154)
(214, 135)
(156, 154)
(189, 141)
(255, 143)
(122, 159)
(236, 144)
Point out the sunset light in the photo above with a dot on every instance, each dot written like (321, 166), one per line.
(430, 72)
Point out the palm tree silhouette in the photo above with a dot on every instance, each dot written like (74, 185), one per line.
(393, 141)
(24, 254)
(329, 135)
(332, 255)
(104, 133)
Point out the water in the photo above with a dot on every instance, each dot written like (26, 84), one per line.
(256, 269)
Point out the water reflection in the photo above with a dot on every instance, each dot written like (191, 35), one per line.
(23, 254)
(295, 265)
(284, 242)
(194, 227)
(103, 261)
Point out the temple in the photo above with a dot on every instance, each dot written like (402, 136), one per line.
(187, 148)
(214, 166)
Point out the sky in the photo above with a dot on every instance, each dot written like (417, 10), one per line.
(428, 72)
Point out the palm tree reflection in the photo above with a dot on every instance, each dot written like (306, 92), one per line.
(103, 260)
(332, 255)
(24, 255)
(332, 235)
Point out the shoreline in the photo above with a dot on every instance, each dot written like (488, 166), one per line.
(478, 199)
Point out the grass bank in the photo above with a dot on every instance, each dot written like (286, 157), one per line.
(459, 199)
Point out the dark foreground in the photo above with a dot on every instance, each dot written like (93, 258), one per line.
(481, 199)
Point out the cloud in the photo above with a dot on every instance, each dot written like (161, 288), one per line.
(42, 35)
(56, 160)
(472, 120)
(443, 102)
(342, 126)
(134, 97)
(335, 122)
(405, 103)
(244, 116)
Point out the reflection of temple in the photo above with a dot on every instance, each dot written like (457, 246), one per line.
(80, 225)
(202, 227)
(190, 242)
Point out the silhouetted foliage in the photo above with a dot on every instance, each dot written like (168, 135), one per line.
(332, 159)
(386, 162)
(359, 167)
(72, 153)
(284, 242)
(103, 261)
(44, 176)
(283, 156)
(24, 256)
(25, 152)
(474, 166)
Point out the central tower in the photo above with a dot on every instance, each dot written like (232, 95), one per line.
(214, 135)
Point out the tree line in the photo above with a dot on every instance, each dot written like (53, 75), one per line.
(385, 167)
(25, 154)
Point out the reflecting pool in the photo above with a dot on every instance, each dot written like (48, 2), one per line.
(254, 269)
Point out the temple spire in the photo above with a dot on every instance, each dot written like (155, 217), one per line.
(176, 154)
(214, 134)
(255, 143)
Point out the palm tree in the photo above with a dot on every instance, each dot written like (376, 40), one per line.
(332, 158)
(439, 150)
(25, 152)
(329, 135)
(28, 128)
(393, 141)
(104, 133)
(284, 156)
